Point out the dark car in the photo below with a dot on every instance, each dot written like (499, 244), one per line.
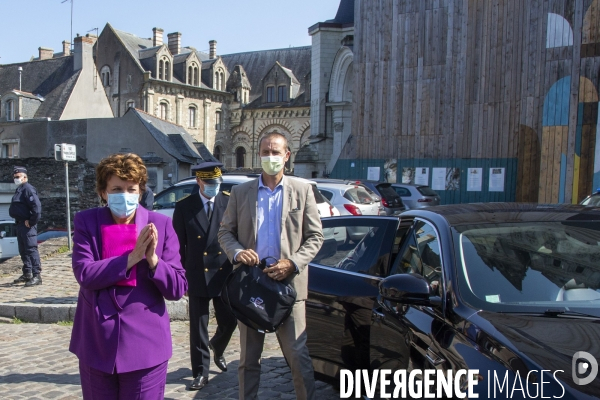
(390, 200)
(593, 200)
(51, 234)
(509, 289)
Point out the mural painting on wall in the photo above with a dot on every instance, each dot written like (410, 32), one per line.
(452, 178)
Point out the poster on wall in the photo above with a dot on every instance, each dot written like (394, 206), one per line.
(408, 175)
(452, 178)
(474, 180)
(422, 176)
(373, 173)
(497, 179)
(438, 179)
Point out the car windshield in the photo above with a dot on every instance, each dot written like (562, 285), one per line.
(518, 265)
(388, 192)
(426, 191)
(593, 200)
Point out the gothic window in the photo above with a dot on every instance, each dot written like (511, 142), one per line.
(218, 152)
(270, 94)
(164, 108)
(105, 75)
(240, 157)
(10, 110)
(216, 82)
(221, 81)
(167, 71)
(164, 69)
(161, 67)
(196, 77)
(192, 114)
(218, 120)
(190, 74)
(281, 93)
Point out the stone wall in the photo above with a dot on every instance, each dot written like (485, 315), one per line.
(48, 177)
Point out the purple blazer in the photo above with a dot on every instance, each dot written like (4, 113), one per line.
(123, 327)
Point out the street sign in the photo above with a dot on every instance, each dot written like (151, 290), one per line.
(68, 152)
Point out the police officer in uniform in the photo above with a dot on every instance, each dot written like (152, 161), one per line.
(196, 220)
(26, 209)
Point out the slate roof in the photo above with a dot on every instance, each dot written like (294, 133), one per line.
(172, 138)
(289, 73)
(53, 79)
(258, 63)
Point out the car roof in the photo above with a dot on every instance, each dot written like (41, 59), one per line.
(335, 185)
(484, 213)
(408, 184)
(226, 178)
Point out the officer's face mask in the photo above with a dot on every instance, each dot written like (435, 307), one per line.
(18, 181)
(122, 205)
(211, 190)
(272, 164)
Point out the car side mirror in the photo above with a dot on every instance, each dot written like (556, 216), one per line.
(2, 234)
(410, 289)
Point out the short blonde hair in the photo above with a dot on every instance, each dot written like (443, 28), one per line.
(128, 167)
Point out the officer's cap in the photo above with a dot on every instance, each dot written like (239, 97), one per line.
(17, 170)
(209, 172)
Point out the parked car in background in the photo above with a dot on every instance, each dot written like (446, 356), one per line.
(593, 200)
(417, 196)
(8, 239)
(51, 234)
(390, 200)
(500, 288)
(350, 200)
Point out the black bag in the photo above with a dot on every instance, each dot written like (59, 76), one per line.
(256, 300)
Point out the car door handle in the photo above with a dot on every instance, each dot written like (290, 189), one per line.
(433, 358)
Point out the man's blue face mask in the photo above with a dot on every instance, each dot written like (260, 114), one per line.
(211, 190)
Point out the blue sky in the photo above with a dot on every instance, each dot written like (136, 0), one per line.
(236, 25)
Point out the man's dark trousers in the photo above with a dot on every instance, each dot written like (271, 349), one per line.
(28, 248)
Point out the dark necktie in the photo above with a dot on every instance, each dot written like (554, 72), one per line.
(209, 209)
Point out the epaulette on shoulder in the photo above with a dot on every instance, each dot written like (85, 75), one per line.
(187, 195)
(226, 192)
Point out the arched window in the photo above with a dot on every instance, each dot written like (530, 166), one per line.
(190, 78)
(281, 93)
(218, 120)
(192, 117)
(10, 110)
(161, 67)
(218, 152)
(245, 97)
(221, 81)
(105, 75)
(216, 82)
(164, 108)
(167, 71)
(240, 157)
(270, 94)
(196, 75)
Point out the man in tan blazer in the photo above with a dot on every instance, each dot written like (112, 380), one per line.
(274, 216)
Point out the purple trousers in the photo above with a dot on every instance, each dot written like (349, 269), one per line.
(143, 384)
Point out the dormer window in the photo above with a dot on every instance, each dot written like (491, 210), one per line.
(192, 75)
(270, 94)
(10, 110)
(164, 69)
(219, 80)
(282, 93)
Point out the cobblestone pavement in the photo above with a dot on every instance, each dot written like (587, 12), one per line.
(35, 363)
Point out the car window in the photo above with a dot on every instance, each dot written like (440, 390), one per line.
(404, 192)
(358, 195)
(593, 200)
(421, 254)
(387, 192)
(318, 197)
(168, 198)
(426, 191)
(328, 195)
(368, 249)
(9, 229)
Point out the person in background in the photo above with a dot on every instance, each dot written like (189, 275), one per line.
(147, 200)
(126, 261)
(26, 209)
(196, 220)
(275, 216)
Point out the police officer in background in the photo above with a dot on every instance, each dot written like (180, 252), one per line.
(26, 209)
(196, 220)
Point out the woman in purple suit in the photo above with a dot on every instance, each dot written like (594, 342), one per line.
(126, 260)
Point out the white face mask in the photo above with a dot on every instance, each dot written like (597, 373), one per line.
(272, 164)
(18, 181)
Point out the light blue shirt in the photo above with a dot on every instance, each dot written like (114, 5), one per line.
(268, 220)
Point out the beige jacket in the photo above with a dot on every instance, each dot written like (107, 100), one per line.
(301, 231)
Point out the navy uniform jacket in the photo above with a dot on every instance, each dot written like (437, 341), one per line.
(26, 205)
(206, 264)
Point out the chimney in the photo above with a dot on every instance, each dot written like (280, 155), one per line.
(174, 42)
(83, 51)
(213, 49)
(66, 48)
(157, 36)
(45, 53)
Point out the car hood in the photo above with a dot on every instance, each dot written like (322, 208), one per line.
(548, 342)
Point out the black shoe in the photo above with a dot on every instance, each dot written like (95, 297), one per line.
(36, 280)
(218, 359)
(198, 383)
(23, 278)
